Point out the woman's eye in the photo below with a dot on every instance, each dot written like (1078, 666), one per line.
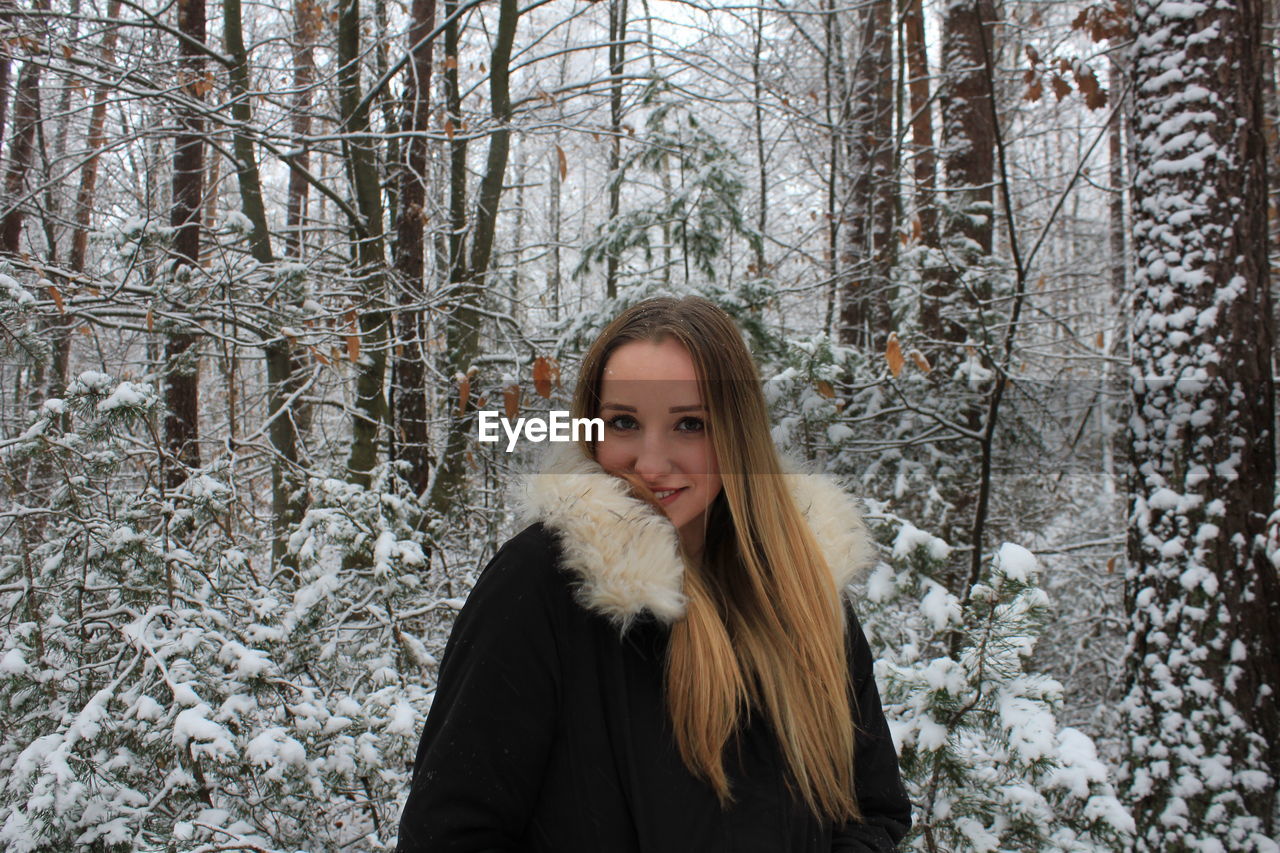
(622, 423)
(690, 425)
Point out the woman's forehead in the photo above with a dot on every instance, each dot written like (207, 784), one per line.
(673, 394)
(662, 361)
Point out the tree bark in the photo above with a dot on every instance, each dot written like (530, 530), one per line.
(968, 125)
(553, 217)
(410, 255)
(182, 394)
(26, 115)
(370, 256)
(935, 283)
(287, 502)
(865, 313)
(617, 63)
(1203, 664)
(307, 21)
(97, 139)
(469, 270)
(6, 61)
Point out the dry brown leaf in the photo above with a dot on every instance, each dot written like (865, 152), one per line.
(920, 361)
(511, 401)
(893, 355)
(1095, 97)
(464, 394)
(564, 162)
(825, 389)
(542, 376)
(57, 300)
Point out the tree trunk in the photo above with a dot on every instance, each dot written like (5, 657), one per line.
(968, 125)
(307, 21)
(836, 104)
(762, 159)
(97, 139)
(410, 256)
(925, 170)
(182, 394)
(468, 274)
(26, 114)
(6, 61)
(617, 62)
(287, 504)
(367, 235)
(1116, 205)
(553, 216)
(1203, 664)
(865, 317)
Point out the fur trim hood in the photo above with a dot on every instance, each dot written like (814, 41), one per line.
(625, 552)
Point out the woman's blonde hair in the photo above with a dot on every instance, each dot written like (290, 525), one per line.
(763, 625)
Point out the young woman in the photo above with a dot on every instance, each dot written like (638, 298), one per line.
(665, 660)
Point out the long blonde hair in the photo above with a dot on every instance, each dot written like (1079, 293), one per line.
(763, 624)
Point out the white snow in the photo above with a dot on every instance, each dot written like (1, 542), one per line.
(1017, 563)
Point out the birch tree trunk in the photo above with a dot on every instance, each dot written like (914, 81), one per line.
(1203, 664)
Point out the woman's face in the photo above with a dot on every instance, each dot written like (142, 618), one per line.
(656, 428)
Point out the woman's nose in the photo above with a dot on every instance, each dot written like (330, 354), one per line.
(652, 459)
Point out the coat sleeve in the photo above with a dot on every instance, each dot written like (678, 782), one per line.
(484, 748)
(886, 809)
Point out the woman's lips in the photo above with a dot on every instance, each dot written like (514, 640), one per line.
(666, 496)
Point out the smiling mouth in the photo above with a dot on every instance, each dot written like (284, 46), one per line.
(667, 495)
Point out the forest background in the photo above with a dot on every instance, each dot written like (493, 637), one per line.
(1004, 265)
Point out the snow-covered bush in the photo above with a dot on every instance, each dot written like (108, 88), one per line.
(160, 690)
(987, 764)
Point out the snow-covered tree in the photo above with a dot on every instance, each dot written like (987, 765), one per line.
(987, 763)
(1203, 594)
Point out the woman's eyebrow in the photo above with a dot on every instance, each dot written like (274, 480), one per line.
(697, 407)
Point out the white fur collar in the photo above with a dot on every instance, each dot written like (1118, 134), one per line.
(625, 553)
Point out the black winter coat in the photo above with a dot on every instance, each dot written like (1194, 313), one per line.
(548, 730)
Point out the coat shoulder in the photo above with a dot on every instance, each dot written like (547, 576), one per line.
(527, 563)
